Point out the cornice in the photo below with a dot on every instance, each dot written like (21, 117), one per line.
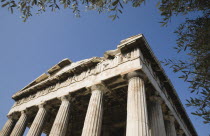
(82, 65)
(137, 41)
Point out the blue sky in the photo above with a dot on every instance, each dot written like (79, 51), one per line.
(29, 49)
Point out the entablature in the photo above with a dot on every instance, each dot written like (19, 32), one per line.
(131, 54)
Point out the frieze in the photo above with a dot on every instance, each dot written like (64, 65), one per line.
(100, 67)
(79, 72)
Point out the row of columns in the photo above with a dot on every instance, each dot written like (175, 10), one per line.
(137, 116)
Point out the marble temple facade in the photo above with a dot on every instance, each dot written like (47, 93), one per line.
(124, 93)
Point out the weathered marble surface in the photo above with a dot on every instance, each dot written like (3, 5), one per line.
(38, 123)
(105, 69)
(93, 120)
(132, 63)
(170, 126)
(20, 126)
(156, 117)
(61, 121)
(137, 119)
(8, 127)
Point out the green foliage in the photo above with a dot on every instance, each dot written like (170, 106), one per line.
(114, 7)
(193, 36)
(194, 39)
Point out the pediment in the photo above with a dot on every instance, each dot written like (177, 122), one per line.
(54, 69)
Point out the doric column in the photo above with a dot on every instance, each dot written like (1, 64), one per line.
(9, 125)
(20, 125)
(156, 117)
(137, 120)
(38, 123)
(93, 119)
(169, 125)
(61, 121)
(180, 133)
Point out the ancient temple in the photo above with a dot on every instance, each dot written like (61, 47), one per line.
(124, 93)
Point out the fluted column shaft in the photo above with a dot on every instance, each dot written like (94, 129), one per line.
(38, 123)
(137, 120)
(156, 117)
(170, 127)
(7, 129)
(61, 121)
(180, 133)
(20, 125)
(93, 119)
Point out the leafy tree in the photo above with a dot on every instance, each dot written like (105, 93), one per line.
(193, 36)
(194, 39)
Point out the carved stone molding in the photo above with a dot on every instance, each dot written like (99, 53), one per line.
(156, 99)
(111, 53)
(132, 63)
(169, 117)
(132, 74)
(100, 87)
(26, 111)
(180, 132)
(44, 105)
(100, 67)
(13, 116)
(65, 98)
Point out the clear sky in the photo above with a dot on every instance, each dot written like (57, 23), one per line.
(29, 49)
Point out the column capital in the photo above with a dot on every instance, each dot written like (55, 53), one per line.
(43, 105)
(156, 99)
(26, 111)
(169, 117)
(65, 98)
(13, 116)
(10, 117)
(100, 87)
(180, 132)
(133, 74)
